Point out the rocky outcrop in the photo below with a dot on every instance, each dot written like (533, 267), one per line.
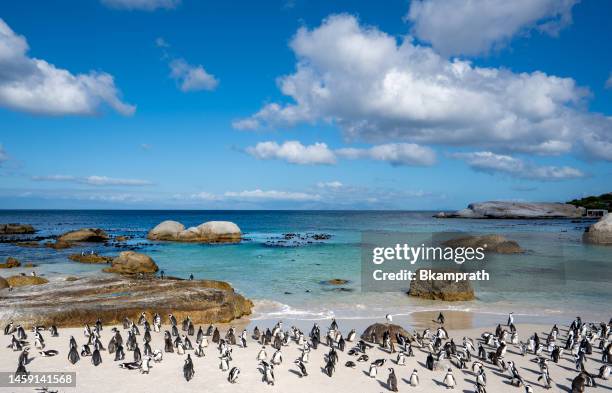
(131, 263)
(208, 232)
(600, 232)
(3, 283)
(379, 330)
(491, 243)
(335, 281)
(112, 298)
(446, 290)
(516, 210)
(24, 281)
(28, 244)
(10, 263)
(84, 235)
(58, 245)
(90, 258)
(16, 229)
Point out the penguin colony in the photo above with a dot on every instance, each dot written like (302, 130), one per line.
(476, 361)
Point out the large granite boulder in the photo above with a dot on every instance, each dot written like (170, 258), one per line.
(491, 243)
(90, 258)
(130, 263)
(4, 283)
(113, 298)
(379, 330)
(600, 232)
(447, 290)
(84, 235)
(16, 229)
(10, 263)
(516, 210)
(23, 281)
(208, 232)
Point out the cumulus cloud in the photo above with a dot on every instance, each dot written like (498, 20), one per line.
(334, 185)
(380, 90)
(192, 77)
(293, 152)
(496, 163)
(395, 153)
(272, 195)
(93, 180)
(33, 85)
(142, 5)
(472, 27)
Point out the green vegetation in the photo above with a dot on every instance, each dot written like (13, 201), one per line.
(604, 201)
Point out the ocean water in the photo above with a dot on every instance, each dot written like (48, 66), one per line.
(558, 275)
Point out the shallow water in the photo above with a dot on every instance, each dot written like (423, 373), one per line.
(557, 276)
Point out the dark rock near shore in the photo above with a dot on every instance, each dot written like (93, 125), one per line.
(379, 330)
(90, 258)
(491, 243)
(16, 229)
(335, 281)
(131, 263)
(10, 263)
(28, 244)
(58, 245)
(112, 298)
(516, 210)
(446, 290)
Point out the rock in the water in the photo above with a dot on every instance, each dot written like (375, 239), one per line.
(516, 210)
(90, 258)
(28, 244)
(130, 262)
(58, 245)
(491, 243)
(113, 298)
(23, 281)
(208, 232)
(336, 281)
(10, 263)
(84, 235)
(379, 330)
(600, 232)
(4, 283)
(447, 290)
(16, 229)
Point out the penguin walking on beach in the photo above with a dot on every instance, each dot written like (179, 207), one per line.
(277, 357)
(119, 353)
(429, 363)
(330, 367)
(449, 379)
(392, 381)
(96, 358)
(510, 319)
(188, 371)
(268, 372)
(73, 355)
(262, 355)
(233, 375)
(414, 378)
(372, 371)
(145, 366)
(224, 362)
(545, 376)
(302, 367)
(604, 372)
(401, 359)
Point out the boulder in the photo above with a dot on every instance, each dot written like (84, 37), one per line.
(10, 263)
(491, 243)
(380, 328)
(90, 258)
(28, 244)
(447, 290)
(130, 263)
(58, 245)
(113, 298)
(84, 235)
(4, 283)
(16, 229)
(516, 210)
(208, 232)
(336, 281)
(23, 281)
(600, 232)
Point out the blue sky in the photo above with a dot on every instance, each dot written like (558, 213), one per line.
(303, 104)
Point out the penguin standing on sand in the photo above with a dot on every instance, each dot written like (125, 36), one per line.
(429, 363)
(545, 376)
(449, 379)
(262, 355)
(392, 381)
(188, 371)
(268, 371)
(119, 353)
(373, 371)
(96, 358)
(414, 378)
(330, 367)
(277, 357)
(145, 367)
(604, 372)
(510, 319)
(302, 367)
(224, 362)
(233, 375)
(401, 359)
(73, 355)
(168, 347)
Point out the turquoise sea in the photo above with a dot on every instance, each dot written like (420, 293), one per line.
(558, 275)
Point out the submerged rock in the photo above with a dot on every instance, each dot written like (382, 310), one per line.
(130, 263)
(28, 244)
(84, 235)
(600, 232)
(112, 298)
(379, 330)
(23, 281)
(447, 290)
(492, 243)
(208, 232)
(90, 258)
(10, 263)
(516, 210)
(16, 229)
(58, 245)
(335, 281)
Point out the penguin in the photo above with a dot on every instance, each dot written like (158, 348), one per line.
(119, 353)
(216, 336)
(21, 370)
(392, 381)
(145, 366)
(73, 355)
(268, 370)
(9, 328)
(604, 372)
(440, 319)
(305, 355)
(372, 371)
(158, 356)
(174, 331)
(137, 354)
(429, 363)
(111, 345)
(330, 367)
(545, 376)
(85, 350)
(130, 365)
(401, 359)
(188, 371)
(224, 363)
(414, 378)
(233, 375)
(449, 379)
(172, 319)
(168, 347)
(510, 319)
(147, 349)
(256, 334)
(302, 367)
(350, 364)
(96, 358)
(24, 357)
(262, 354)
(363, 358)
(49, 353)
(481, 378)
(199, 351)
(54, 332)
(277, 357)
(351, 336)
(529, 389)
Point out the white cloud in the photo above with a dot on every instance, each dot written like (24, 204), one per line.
(272, 195)
(395, 153)
(496, 163)
(34, 85)
(334, 185)
(142, 5)
(380, 90)
(160, 42)
(472, 27)
(93, 180)
(190, 77)
(293, 152)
